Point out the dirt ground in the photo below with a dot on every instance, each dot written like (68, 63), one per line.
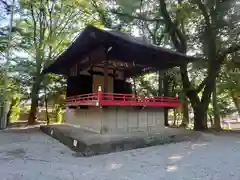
(29, 154)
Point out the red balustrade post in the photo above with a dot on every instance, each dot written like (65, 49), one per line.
(99, 95)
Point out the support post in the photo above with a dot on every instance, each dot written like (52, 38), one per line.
(165, 92)
(105, 89)
(134, 82)
(99, 96)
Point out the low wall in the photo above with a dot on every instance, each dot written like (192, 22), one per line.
(89, 119)
(116, 119)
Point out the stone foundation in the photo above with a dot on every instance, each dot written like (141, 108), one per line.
(116, 119)
(86, 143)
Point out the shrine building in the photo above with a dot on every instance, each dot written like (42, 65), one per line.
(99, 98)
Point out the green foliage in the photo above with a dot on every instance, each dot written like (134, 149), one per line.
(129, 7)
(146, 85)
(44, 32)
(15, 109)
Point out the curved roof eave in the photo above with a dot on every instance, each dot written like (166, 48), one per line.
(93, 37)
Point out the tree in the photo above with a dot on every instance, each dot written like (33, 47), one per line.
(213, 18)
(229, 84)
(45, 32)
(209, 22)
(53, 93)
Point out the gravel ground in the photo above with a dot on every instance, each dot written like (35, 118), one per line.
(35, 156)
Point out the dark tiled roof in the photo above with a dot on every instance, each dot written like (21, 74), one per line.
(124, 47)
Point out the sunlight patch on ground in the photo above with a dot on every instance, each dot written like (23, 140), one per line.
(115, 166)
(172, 168)
(194, 146)
(175, 157)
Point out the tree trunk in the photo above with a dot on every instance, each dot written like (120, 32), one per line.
(46, 105)
(200, 118)
(1, 110)
(174, 117)
(211, 121)
(185, 111)
(34, 100)
(34, 105)
(200, 107)
(235, 101)
(217, 124)
(10, 112)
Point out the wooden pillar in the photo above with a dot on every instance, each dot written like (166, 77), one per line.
(105, 90)
(105, 69)
(134, 80)
(166, 93)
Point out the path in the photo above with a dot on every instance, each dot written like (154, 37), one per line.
(33, 155)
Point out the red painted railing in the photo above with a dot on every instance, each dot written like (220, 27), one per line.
(115, 99)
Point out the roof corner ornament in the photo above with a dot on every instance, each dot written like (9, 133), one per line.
(109, 49)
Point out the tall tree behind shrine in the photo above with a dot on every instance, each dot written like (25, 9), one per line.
(46, 27)
(205, 28)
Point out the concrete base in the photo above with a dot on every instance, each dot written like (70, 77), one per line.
(116, 119)
(87, 143)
